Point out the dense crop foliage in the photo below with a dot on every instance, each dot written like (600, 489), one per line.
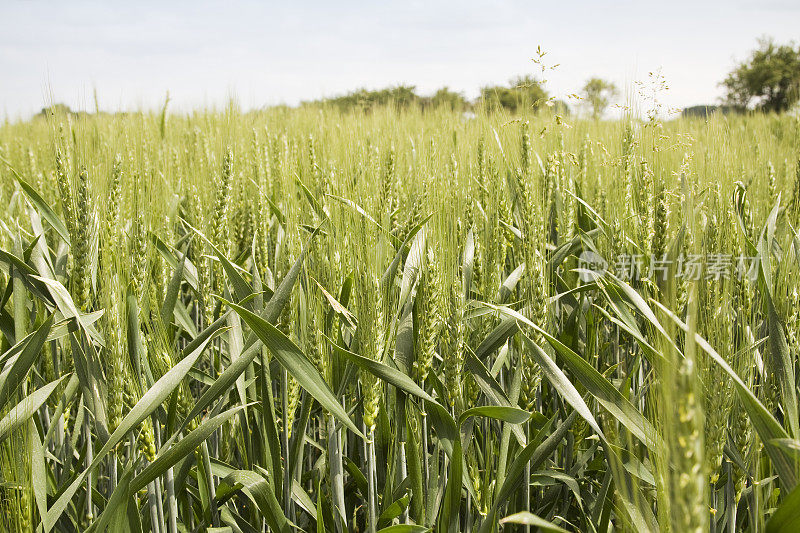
(398, 321)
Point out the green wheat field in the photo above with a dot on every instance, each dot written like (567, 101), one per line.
(400, 321)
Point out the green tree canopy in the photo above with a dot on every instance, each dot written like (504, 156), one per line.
(56, 109)
(400, 96)
(598, 94)
(446, 98)
(768, 80)
(524, 92)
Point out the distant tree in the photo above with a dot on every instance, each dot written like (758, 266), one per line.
(524, 92)
(55, 109)
(448, 99)
(598, 94)
(560, 107)
(769, 80)
(401, 96)
(705, 111)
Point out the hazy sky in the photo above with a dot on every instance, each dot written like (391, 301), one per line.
(284, 52)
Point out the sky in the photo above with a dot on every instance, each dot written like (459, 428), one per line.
(262, 53)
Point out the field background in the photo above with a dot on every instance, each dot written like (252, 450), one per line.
(359, 321)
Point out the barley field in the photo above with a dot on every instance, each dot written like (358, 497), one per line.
(399, 321)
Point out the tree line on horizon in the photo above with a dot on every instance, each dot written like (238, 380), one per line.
(522, 92)
(767, 81)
